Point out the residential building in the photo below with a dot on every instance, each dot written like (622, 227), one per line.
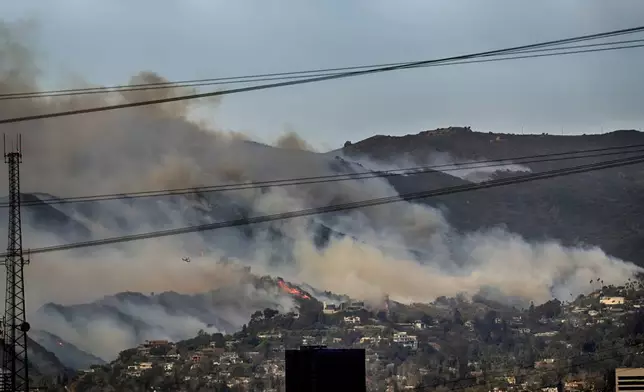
(352, 320)
(330, 308)
(611, 301)
(406, 340)
(629, 379)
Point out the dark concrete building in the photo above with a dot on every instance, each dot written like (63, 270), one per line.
(320, 369)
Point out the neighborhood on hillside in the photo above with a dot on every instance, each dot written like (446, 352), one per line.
(452, 343)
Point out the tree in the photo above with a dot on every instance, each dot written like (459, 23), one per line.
(151, 377)
(159, 350)
(427, 319)
(127, 355)
(257, 316)
(221, 387)
(270, 313)
(238, 371)
(219, 340)
(458, 318)
(549, 309)
(589, 346)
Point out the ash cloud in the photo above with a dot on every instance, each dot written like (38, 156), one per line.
(405, 250)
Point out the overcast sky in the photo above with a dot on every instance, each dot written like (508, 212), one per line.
(108, 41)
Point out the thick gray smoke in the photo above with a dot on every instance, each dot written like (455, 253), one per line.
(127, 319)
(161, 147)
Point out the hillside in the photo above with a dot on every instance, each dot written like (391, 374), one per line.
(44, 365)
(71, 356)
(602, 208)
(452, 341)
(93, 333)
(402, 250)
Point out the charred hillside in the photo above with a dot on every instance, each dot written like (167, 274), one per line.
(603, 208)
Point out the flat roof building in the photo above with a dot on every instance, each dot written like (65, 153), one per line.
(320, 369)
(629, 379)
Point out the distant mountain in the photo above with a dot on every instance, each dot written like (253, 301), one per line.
(68, 354)
(603, 208)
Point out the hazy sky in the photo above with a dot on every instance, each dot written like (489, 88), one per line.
(108, 41)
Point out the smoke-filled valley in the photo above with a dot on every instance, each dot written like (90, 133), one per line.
(518, 244)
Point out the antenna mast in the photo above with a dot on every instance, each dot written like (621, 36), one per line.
(14, 361)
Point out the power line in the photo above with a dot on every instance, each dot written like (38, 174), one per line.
(484, 164)
(303, 77)
(319, 78)
(346, 206)
(282, 75)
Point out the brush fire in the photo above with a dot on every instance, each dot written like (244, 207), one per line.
(292, 290)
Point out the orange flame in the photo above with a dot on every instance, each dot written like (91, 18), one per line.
(292, 290)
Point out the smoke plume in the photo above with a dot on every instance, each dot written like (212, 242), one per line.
(408, 251)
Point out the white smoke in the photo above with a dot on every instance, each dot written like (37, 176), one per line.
(442, 162)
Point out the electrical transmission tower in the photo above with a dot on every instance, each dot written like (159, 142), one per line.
(14, 362)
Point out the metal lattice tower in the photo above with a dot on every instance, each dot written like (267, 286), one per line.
(14, 361)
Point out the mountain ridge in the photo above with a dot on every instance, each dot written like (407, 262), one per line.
(540, 202)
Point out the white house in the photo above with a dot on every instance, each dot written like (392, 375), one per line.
(406, 340)
(611, 301)
(352, 320)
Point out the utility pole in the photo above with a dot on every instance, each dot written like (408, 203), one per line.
(14, 361)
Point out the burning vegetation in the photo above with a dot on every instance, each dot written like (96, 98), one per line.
(292, 289)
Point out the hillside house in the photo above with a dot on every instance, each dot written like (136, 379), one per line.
(406, 340)
(353, 306)
(352, 320)
(370, 339)
(419, 325)
(547, 334)
(330, 308)
(230, 357)
(545, 363)
(270, 335)
(156, 343)
(612, 301)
